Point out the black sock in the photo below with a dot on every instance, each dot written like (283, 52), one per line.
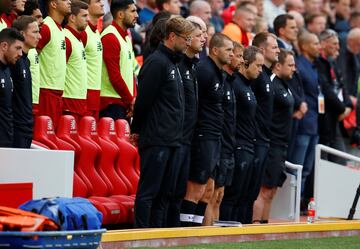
(199, 213)
(264, 221)
(187, 212)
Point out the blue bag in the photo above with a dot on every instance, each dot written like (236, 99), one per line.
(69, 213)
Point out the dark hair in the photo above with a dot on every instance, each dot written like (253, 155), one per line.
(117, 5)
(283, 55)
(30, 7)
(310, 18)
(10, 35)
(77, 5)
(218, 40)
(260, 39)
(280, 22)
(250, 54)
(22, 22)
(160, 3)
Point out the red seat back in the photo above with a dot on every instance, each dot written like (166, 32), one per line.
(110, 160)
(123, 129)
(91, 157)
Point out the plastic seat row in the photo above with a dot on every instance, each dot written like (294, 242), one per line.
(106, 166)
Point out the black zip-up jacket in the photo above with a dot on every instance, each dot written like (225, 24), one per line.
(282, 115)
(6, 112)
(297, 90)
(228, 141)
(187, 72)
(159, 108)
(22, 97)
(211, 91)
(264, 93)
(246, 106)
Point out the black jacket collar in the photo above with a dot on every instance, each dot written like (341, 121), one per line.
(173, 56)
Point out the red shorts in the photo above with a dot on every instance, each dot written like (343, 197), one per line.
(50, 104)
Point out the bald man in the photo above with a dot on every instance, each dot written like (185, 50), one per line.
(202, 9)
(307, 133)
(295, 5)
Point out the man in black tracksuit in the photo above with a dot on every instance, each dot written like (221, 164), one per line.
(187, 68)
(232, 205)
(20, 73)
(158, 124)
(205, 149)
(14, 41)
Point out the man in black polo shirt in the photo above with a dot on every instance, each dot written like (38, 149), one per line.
(20, 73)
(11, 44)
(232, 205)
(205, 151)
(158, 124)
(187, 68)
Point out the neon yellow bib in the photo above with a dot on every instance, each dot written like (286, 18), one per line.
(94, 59)
(35, 74)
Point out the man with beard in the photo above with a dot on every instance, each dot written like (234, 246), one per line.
(280, 129)
(52, 56)
(206, 144)
(158, 124)
(233, 205)
(118, 89)
(94, 57)
(75, 90)
(22, 79)
(5, 8)
(11, 45)
(187, 68)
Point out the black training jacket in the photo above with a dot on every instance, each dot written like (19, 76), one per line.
(159, 108)
(6, 113)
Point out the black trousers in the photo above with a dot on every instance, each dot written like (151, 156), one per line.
(113, 111)
(158, 177)
(234, 193)
(21, 140)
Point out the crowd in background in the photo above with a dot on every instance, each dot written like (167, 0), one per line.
(219, 94)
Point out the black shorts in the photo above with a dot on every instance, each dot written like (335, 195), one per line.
(274, 175)
(205, 154)
(224, 171)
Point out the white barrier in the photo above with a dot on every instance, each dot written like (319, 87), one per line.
(286, 204)
(335, 185)
(50, 171)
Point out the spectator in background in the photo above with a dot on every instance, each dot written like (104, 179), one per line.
(147, 13)
(307, 133)
(11, 45)
(202, 9)
(316, 23)
(313, 6)
(158, 125)
(260, 25)
(354, 20)
(342, 16)
(295, 5)
(52, 56)
(75, 90)
(299, 19)
(32, 8)
(286, 30)
(206, 144)
(118, 89)
(272, 9)
(5, 8)
(217, 7)
(21, 76)
(18, 8)
(187, 68)
(274, 176)
(171, 6)
(338, 104)
(240, 28)
(94, 57)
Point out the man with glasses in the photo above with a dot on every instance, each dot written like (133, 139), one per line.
(158, 124)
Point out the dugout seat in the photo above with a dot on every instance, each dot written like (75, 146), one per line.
(112, 212)
(129, 159)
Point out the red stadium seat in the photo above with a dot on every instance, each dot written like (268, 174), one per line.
(100, 157)
(112, 212)
(129, 159)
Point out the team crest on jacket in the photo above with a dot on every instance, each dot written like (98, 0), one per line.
(187, 75)
(216, 87)
(172, 74)
(267, 87)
